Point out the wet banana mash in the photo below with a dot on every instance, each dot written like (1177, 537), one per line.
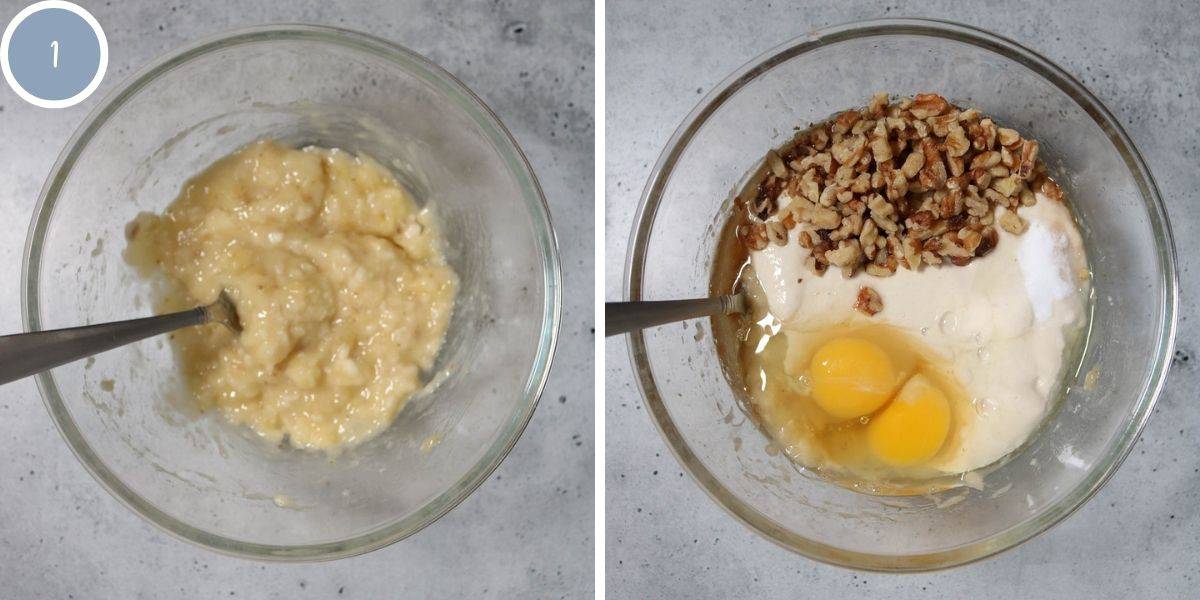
(340, 282)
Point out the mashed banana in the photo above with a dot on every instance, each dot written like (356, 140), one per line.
(339, 280)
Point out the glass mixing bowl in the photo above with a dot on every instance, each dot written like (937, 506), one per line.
(1124, 225)
(126, 414)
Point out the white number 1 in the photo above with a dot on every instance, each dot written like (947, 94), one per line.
(54, 46)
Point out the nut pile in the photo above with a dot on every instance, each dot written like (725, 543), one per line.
(895, 185)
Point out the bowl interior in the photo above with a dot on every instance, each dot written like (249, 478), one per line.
(689, 198)
(127, 413)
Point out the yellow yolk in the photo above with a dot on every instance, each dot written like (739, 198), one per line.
(851, 377)
(913, 427)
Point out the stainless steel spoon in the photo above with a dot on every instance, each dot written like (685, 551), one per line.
(24, 354)
(624, 317)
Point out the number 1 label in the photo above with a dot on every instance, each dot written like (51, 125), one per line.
(31, 50)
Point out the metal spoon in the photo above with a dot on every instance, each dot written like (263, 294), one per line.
(624, 317)
(24, 354)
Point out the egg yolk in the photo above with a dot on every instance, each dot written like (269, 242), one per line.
(851, 377)
(913, 427)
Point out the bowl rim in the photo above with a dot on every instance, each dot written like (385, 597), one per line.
(1168, 300)
(543, 232)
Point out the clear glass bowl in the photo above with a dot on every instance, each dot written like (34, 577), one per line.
(1125, 228)
(126, 414)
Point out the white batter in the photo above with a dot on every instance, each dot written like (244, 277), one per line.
(1004, 322)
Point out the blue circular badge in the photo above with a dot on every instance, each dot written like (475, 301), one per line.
(54, 54)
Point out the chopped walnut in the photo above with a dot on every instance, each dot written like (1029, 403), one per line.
(777, 233)
(849, 150)
(956, 143)
(1050, 190)
(848, 254)
(928, 105)
(823, 218)
(880, 270)
(868, 301)
(912, 164)
(905, 184)
(1008, 137)
(879, 103)
(1011, 222)
(1029, 152)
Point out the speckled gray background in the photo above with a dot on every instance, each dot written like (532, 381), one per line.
(527, 532)
(1139, 537)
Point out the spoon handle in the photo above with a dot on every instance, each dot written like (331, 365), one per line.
(624, 317)
(24, 354)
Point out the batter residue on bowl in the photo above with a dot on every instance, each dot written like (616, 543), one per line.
(340, 283)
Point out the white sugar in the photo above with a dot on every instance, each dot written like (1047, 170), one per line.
(1043, 258)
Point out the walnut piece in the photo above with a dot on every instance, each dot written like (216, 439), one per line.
(1011, 222)
(868, 301)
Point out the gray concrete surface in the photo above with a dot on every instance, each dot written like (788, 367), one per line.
(527, 532)
(1139, 537)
